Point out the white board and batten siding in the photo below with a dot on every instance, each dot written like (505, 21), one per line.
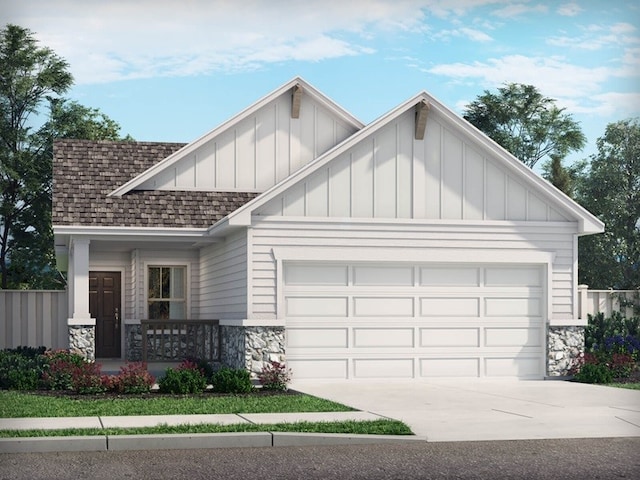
(388, 174)
(364, 321)
(258, 152)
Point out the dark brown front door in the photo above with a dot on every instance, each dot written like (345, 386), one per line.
(104, 305)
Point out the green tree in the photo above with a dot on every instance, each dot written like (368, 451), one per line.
(560, 176)
(610, 188)
(32, 79)
(526, 123)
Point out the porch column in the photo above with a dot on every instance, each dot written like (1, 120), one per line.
(81, 325)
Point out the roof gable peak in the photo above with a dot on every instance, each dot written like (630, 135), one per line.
(296, 88)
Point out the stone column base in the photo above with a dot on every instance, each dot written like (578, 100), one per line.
(252, 348)
(565, 345)
(82, 340)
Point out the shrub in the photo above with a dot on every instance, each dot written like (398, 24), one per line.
(19, 370)
(600, 328)
(594, 373)
(229, 380)
(186, 378)
(87, 378)
(627, 345)
(621, 365)
(27, 352)
(59, 369)
(205, 367)
(275, 376)
(133, 378)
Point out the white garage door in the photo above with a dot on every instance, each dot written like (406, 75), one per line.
(368, 321)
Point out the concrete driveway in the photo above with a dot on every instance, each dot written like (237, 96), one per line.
(460, 410)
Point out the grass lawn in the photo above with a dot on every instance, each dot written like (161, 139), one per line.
(630, 385)
(15, 404)
(371, 427)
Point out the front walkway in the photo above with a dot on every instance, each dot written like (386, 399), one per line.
(460, 410)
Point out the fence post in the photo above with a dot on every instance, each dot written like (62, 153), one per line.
(583, 299)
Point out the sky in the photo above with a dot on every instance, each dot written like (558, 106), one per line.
(174, 70)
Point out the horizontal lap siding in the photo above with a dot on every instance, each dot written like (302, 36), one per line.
(269, 234)
(223, 279)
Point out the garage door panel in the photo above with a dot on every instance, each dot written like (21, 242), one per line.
(449, 367)
(383, 337)
(449, 337)
(318, 368)
(450, 276)
(513, 337)
(406, 321)
(382, 307)
(317, 306)
(517, 307)
(513, 277)
(316, 275)
(517, 366)
(317, 338)
(449, 307)
(383, 368)
(387, 276)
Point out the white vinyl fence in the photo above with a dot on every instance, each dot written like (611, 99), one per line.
(591, 302)
(33, 318)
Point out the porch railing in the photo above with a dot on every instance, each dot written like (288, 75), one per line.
(176, 340)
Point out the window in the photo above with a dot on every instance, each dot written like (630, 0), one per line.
(166, 295)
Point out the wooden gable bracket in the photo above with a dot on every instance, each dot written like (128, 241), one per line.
(422, 109)
(296, 100)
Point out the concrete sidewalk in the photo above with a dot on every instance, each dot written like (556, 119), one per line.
(184, 441)
(139, 421)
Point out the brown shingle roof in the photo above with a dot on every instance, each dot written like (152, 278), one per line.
(85, 172)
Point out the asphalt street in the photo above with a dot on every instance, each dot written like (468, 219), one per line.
(602, 458)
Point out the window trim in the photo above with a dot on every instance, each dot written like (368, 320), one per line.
(187, 286)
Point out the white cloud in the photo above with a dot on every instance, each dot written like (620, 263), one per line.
(598, 37)
(469, 33)
(519, 9)
(569, 9)
(120, 39)
(576, 88)
(552, 75)
(620, 104)
(475, 35)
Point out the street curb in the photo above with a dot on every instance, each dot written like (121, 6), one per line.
(93, 443)
(301, 439)
(188, 441)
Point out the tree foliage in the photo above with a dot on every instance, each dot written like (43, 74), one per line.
(526, 123)
(610, 189)
(32, 80)
(560, 176)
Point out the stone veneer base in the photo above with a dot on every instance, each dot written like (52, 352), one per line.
(564, 346)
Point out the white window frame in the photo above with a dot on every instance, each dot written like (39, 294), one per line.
(187, 284)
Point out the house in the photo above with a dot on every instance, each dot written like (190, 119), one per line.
(412, 247)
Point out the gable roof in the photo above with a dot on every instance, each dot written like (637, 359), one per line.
(588, 223)
(84, 172)
(190, 148)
